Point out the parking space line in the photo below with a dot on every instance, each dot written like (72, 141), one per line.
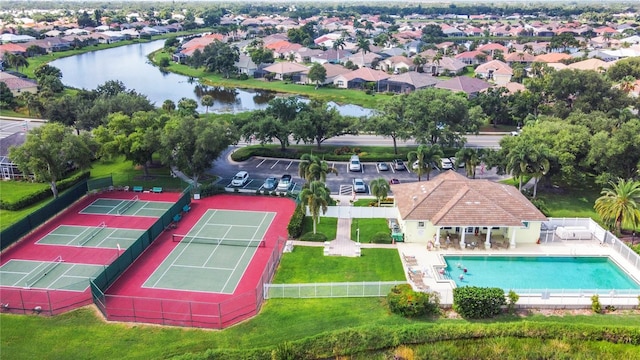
(261, 162)
(274, 165)
(288, 166)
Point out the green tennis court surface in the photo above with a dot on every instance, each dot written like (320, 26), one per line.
(215, 253)
(49, 275)
(130, 207)
(99, 236)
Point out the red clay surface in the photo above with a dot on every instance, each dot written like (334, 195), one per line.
(127, 300)
(56, 301)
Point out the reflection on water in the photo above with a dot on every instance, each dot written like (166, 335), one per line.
(130, 65)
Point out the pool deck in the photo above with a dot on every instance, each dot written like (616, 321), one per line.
(416, 258)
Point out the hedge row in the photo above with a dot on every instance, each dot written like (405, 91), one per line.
(295, 224)
(43, 194)
(375, 337)
(474, 302)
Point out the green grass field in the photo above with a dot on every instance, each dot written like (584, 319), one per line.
(327, 226)
(368, 228)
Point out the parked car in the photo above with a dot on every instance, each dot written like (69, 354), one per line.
(359, 186)
(398, 164)
(446, 164)
(270, 183)
(354, 163)
(240, 179)
(394, 181)
(455, 160)
(382, 166)
(285, 183)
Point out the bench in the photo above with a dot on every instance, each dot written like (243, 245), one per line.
(177, 218)
(137, 189)
(186, 208)
(157, 189)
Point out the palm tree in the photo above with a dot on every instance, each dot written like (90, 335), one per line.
(517, 162)
(539, 164)
(206, 101)
(338, 44)
(470, 158)
(364, 45)
(316, 196)
(627, 84)
(379, 188)
(423, 157)
(620, 204)
(529, 159)
(419, 62)
(313, 168)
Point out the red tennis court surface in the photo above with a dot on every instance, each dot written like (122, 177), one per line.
(51, 302)
(127, 300)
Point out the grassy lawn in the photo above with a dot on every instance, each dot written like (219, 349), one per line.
(572, 203)
(87, 336)
(308, 265)
(14, 190)
(368, 228)
(327, 226)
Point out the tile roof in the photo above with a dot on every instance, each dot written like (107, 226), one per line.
(463, 83)
(286, 68)
(552, 57)
(419, 80)
(451, 199)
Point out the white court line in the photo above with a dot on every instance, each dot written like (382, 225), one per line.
(12, 272)
(89, 228)
(274, 165)
(116, 207)
(220, 224)
(29, 273)
(244, 252)
(203, 267)
(214, 250)
(106, 237)
(257, 166)
(179, 255)
(60, 277)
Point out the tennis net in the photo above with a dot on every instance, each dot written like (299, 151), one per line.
(127, 205)
(42, 273)
(93, 234)
(213, 241)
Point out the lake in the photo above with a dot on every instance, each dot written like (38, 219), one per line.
(129, 64)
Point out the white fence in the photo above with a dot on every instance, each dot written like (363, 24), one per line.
(330, 290)
(352, 212)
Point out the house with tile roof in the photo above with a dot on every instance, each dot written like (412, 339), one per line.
(357, 78)
(474, 211)
(492, 48)
(473, 57)
(287, 69)
(18, 85)
(496, 71)
(519, 57)
(396, 64)
(552, 57)
(591, 64)
(446, 65)
(465, 84)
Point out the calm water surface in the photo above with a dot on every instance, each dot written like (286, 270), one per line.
(130, 65)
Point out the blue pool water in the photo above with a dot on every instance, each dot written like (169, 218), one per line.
(544, 272)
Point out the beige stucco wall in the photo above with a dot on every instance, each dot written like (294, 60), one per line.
(414, 234)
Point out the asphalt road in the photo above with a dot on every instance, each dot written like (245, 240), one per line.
(10, 126)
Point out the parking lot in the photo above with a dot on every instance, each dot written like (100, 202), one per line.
(259, 169)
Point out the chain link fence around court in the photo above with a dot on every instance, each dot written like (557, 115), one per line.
(176, 312)
(330, 290)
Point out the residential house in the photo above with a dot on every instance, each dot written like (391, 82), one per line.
(474, 57)
(621, 53)
(492, 48)
(8, 169)
(16, 49)
(519, 57)
(304, 55)
(477, 213)
(496, 71)
(552, 57)
(396, 64)
(283, 48)
(591, 64)
(364, 60)
(444, 66)
(18, 85)
(333, 71)
(468, 85)
(408, 82)
(285, 69)
(357, 78)
(413, 47)
(331, 56)
(246, 66)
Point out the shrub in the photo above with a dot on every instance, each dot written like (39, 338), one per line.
(513, 299)
(596, 307)
(210, 190)
(478, 302)
(381, 238)
(403, 300)
(42, 194)
(295, 224)
(243, 77)
(310, 236)
(284, 351)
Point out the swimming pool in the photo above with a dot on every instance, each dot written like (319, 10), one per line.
(538, 272)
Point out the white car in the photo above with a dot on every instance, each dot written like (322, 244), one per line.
(454, 160)
(285, 183)
(354, 163)
(359, 186)
(446, 164)
(240, 179)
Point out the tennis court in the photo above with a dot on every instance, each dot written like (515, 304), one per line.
(49, 275)
(214, 254)
(99, 236)
(128, 207)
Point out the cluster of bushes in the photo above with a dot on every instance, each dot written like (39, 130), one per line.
(403, 300)
(474, 302)
(211, 189)
(381, 238)
(365, 339)
(295, 224)
(346, 150)
(310, 236)
(43, 194)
